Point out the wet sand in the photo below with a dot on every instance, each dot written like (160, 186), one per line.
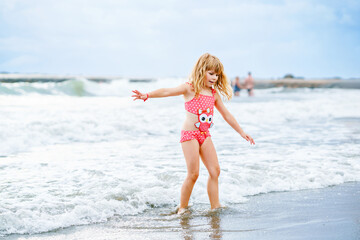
(328, 213)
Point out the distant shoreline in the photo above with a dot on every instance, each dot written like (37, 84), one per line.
(310, 83)
(259, 83)
(14, 77)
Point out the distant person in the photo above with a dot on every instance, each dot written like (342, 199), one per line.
(236, 86)
(249, 84)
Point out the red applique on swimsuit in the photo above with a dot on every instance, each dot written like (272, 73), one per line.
(203, 106)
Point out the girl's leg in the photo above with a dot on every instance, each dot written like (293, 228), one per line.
(191, 154)
(210, 160)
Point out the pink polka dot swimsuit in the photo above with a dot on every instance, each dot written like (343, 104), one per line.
(203, 106)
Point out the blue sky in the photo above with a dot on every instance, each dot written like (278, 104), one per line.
(308, 38)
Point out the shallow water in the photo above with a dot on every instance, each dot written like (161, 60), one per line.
(68, 160)
(328, 213)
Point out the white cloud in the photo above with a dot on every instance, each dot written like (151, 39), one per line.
(164, 38)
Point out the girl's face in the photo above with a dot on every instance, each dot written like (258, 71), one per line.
(211, 78)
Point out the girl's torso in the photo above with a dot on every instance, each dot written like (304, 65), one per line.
(199, 110)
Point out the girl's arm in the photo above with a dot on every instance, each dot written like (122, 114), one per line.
(229, 118)
(162, 92)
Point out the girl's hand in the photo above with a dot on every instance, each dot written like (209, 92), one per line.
(139, 95)
(248, 138)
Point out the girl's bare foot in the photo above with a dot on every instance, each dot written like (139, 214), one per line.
(218, 207)
(181, 211)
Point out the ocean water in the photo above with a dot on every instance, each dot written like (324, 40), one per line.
(80, 152)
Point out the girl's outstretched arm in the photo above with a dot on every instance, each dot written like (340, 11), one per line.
(229, 118)
(162, 92)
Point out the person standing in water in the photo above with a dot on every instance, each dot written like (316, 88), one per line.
(201, 93)
(249, 84)
(236, 86)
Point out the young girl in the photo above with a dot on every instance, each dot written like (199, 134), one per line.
(201, 94)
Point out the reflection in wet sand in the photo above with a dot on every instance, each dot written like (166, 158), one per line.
(213, 226)
(184, 222)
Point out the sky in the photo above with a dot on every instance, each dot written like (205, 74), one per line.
(142, 38)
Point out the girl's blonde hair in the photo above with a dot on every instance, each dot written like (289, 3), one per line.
(208, 62)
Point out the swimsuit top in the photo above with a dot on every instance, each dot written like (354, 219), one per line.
(203, 106)
(202, 102)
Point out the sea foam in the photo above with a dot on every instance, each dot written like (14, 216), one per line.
(70, 160)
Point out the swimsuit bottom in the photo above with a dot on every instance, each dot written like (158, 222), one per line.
(190, 135)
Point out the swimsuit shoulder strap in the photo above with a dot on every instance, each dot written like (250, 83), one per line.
(213, 92)
(190, 84)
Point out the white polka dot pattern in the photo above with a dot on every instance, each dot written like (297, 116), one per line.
(190, 135)
(201, 102)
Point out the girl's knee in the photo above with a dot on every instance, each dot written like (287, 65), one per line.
(215, 172)
(193, 176)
